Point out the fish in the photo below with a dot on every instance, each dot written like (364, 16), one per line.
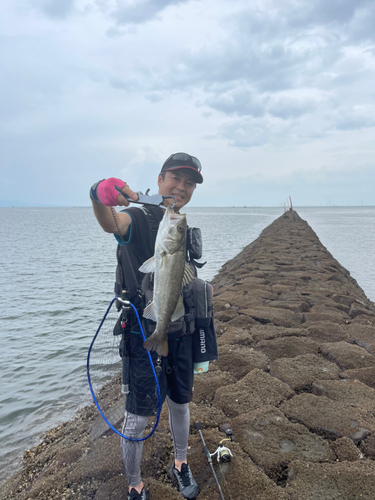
(171, 273)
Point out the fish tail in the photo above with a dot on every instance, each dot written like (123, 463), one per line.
(154, 344)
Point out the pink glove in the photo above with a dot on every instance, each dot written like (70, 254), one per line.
(106, 192)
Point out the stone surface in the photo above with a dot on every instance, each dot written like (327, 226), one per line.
(235, 336)
(347, 356)
(240, 360)
(270, 331)
(365, 375)
(362, 335)
(350, 392)
(251, 392)
(302, 371)
(345, 450)
(278, 317)
(328, 417)
(367, 446)
(326, 331)
(346, 481)
(289, 347)
(205, 385)
(271, 439)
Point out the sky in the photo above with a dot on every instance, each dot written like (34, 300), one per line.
(275, 97)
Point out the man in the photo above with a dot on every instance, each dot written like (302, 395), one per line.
(178, 177)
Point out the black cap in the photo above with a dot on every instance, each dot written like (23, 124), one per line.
(183, 160)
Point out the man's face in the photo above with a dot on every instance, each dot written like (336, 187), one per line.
(178, 183)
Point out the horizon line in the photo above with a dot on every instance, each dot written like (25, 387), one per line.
(32, 205)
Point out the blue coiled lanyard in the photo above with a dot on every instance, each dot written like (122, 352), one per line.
(124, 303)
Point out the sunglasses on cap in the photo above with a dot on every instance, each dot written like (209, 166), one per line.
(177, 157)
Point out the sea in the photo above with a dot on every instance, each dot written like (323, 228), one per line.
(56, 281)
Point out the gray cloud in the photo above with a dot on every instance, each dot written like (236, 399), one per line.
(130, 84)
(263, 50)
(57, 9)
(362, 25)
(239, 101)
(287, 107)
(321, 12)
(141, 12)
(354, 119)
(271, 58)
(245, 133)
(155, 96)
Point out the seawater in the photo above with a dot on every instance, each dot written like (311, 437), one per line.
(56, 281)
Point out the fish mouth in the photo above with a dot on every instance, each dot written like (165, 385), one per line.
(174, 218)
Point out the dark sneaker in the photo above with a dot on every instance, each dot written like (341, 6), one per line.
(186, 483)
(134, 495)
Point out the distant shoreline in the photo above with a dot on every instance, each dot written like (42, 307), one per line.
(31, 205)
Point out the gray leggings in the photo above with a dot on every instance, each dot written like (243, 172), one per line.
(134, 427)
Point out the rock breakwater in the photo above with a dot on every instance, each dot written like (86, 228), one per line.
(295, 381)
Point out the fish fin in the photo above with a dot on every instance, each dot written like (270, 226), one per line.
(179, 311)
(148, 266)
(150, 312)
(188, 275)
(154, 344)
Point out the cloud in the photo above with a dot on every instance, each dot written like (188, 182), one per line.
(245, 133)
(155, 96)
(362, 26)
(143, 168)
(287, 107)
(321, 12)
(56, 9)
(140, 12)
(240, 101)
(355, 118)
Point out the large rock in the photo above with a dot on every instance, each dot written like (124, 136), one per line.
(346, 481)
(367, 446)
(326, 331)
(271, 331)
(345, 450)
(206, 384)
(271, 440)
(209, 416)
(302, 371)
(256, 389)
(351, 392)
(330, 418)
(240, 360)
(347, 356)
(287, 347)
(279, 317)
(362, 335)
(234, 335)
(365, 375)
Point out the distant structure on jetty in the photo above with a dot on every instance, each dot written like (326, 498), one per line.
(295, 381)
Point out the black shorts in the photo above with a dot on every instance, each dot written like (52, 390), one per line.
(176, 377)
